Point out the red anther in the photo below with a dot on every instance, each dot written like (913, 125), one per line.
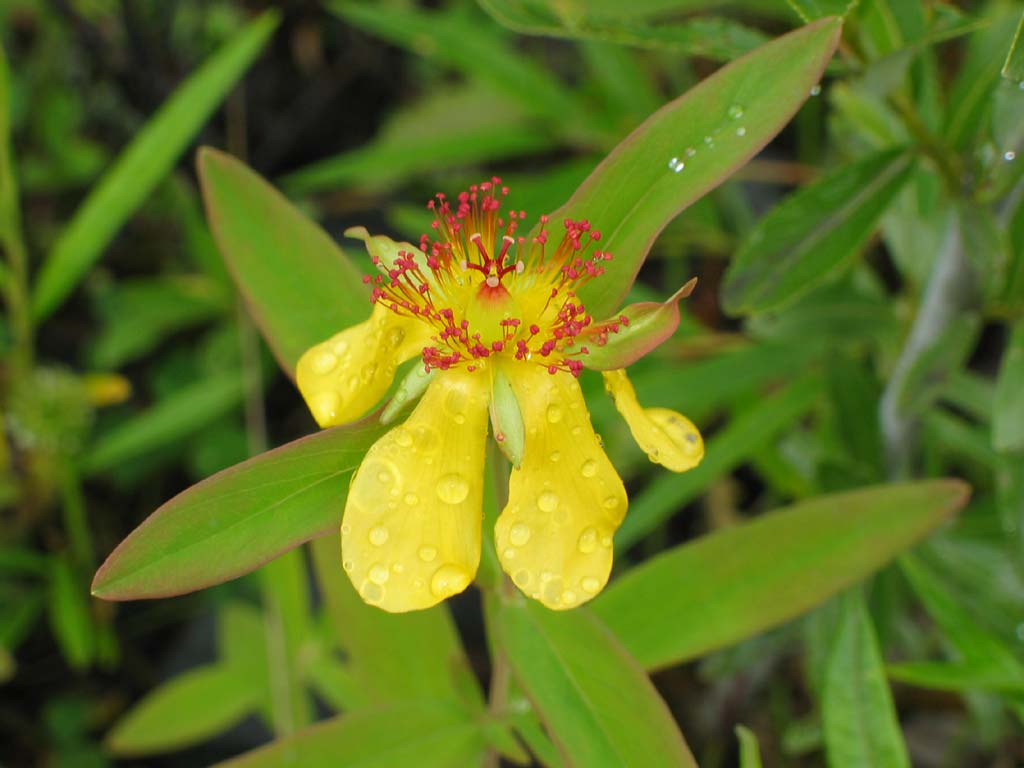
(366, 279)
(552, 369)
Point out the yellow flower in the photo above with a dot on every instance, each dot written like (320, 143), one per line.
(497, 322)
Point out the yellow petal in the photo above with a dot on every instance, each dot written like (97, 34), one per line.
(565, 502)
(668, 438)
(411, 533)
(344, 377)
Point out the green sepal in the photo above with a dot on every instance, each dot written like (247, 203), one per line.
(413, 385)
(381, 248)
(507, 419)
(622, 340)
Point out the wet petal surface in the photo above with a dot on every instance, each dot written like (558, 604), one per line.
(410, 536)
(668, 438)
(565, 502)
(342, 378)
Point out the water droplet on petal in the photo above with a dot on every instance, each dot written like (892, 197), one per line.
(346, 528)
(611, 502)
(553, 592)
(402, 437)
(323, 363)
(452, 489)
(348, 565)
(521, 578)
(741, 131)
(568, 597)
(589, 468)
(378, 535)
(519, 534)
(509, 553)
(395, 335)
(340, 347)
(815, 90)
(448, 580)
(368, 372)
(554, 413)
(371, 592)
(590, 584)
(384, 477)
(735, 112)
(547, 501)
(379, 573)
(555, 456)
(412, 499)
(427, 554)
(325, 406)
(459, 418)
(587, 542)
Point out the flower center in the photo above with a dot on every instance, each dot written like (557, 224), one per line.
(490, 292)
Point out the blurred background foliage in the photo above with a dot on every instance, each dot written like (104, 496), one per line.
(858, 318)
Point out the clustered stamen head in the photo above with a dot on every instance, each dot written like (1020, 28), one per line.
(488, 291)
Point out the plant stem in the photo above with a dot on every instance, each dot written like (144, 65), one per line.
(501, 587)
(76, 523)
(949, 291)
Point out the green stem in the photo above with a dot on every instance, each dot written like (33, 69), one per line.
(76, 523)
(495, 580)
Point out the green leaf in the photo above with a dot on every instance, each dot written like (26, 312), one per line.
(1013, 69)
(860, 724)
(425, 734)
(690, 146)
(1008, 412)
(140, 313)
(742, 580)
(969, 96)
(708, 36)
(173, 418)
(741, 438)
(811, 10)
(395, 657)
(149, 158)
(423, 137)
(240, 518)
(69, 614)
(477, 49)
(978, 647)
(299, 286)
(597, 703)
(958, 676)
(750, 752)
(813, 232)
(191, 708)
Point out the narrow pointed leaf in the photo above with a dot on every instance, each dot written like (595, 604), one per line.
(240, 518)
(298, 284)
(1008, 415)
(977, 646)
(690, 146)
(809, 10)
(192, 707)
(750, 752)
(425, 734)
(1013, 68)
(173, 418)
(149, 158)
(745, 579)
(812, 233)
(860, 725)
(598, 704)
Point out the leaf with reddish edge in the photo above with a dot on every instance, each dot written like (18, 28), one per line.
(299, 285)
(635, 331)
(688, 147)
(732, 584)
(240, 518)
